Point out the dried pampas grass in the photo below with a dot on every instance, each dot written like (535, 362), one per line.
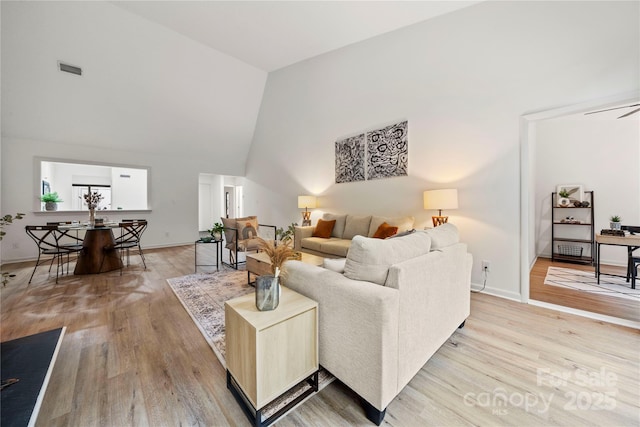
(277, 254)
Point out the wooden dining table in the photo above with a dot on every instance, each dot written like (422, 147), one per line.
(98, 254)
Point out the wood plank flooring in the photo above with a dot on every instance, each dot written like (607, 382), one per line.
(133, 357)
(610, 306)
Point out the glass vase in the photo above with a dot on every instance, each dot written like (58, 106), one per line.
(92, 217)
(267, 292)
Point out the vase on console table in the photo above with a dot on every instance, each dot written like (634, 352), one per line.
(92, 217)
(267, 292)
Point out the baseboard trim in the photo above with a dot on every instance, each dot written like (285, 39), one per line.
(501, 293)
(587, 314)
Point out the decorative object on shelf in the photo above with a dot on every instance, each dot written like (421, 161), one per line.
(439, 200)
(216, 231)
(51, 201)
(568, 194)
(614, 222)
(570, 250)
(574, 232)
(584, 204)
(609, 232)
(306, 202)
(92, 199)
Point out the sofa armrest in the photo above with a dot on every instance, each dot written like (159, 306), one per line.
(358, 329)
(434, 300)
(300, 233)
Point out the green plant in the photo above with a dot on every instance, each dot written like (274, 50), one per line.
(564, 193)
(286, 235)
(50, 197)
(217, 228)
(615, 218)
(7, 220)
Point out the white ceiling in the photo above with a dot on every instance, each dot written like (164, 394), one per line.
(273, 34)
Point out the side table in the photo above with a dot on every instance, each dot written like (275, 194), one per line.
(269, 352)
(218, 245)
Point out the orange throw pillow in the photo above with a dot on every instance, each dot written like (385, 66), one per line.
(385, 230)
(324, 228)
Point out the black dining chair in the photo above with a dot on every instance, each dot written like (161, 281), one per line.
(48, 238)
(130, 236)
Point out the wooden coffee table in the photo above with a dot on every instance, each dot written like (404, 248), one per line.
(259, 264)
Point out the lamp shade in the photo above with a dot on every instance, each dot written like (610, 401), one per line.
(305, 202)
(441, 199)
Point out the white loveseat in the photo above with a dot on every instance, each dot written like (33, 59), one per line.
(346, 228)
(396, 303)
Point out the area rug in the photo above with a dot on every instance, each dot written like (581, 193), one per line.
(203, 296)
(586, 281)
(27, 364)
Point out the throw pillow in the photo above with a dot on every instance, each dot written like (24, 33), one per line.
(403, 223)
(443, 235)
(338, 229)
(230, 224)
(404, 233)
(385, 230)
(336, 264)
(356, 226)
(324, 228)
(369, 259)
(247, 228)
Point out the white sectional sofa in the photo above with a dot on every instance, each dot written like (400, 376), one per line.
(346, 227)
(396, 303)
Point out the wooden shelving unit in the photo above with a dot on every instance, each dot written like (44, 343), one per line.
(566, 248)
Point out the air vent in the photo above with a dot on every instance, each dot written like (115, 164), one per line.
(70, 68)
(125, 176)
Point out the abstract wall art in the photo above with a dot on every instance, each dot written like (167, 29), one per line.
(388, 151)
(350, 159)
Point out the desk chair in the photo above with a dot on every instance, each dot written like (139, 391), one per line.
(631, 264)
(48, 238)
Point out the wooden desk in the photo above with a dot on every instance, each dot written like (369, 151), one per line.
(631, 242)
(98, 254)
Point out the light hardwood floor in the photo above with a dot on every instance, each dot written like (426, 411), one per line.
(610, 306)
(132, 356)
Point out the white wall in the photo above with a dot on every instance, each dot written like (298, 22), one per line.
(462, 81)
(148, 96)
(600, 155)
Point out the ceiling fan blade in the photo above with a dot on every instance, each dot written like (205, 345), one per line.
(629, 113)
(611, 109)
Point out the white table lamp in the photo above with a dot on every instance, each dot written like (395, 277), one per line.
(439, 200)
(306, 202)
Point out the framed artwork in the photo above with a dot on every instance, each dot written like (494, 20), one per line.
(46, 187)
(573, 192)
(388, 151)
(350, 159)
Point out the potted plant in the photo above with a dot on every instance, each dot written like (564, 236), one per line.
(286, 235)
(614, 222)
(216, 231)
(268, 286)
(51, 201)
(563, 198)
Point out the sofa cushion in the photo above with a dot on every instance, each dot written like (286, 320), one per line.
(247, 228)
(335, 264)
(403, 223)
(338, 229)
(356, 226)
(385, 230)
(312, 243)
(324, 228)
(369, 259)
(337, 247)
(443, 236)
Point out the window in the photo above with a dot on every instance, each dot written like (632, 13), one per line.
(122, 187)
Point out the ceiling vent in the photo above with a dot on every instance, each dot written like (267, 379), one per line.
(69, 68)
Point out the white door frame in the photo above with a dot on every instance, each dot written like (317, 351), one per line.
(527, 184)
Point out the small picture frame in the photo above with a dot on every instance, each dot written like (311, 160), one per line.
(574, 191)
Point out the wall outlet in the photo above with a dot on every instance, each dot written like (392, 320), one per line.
(486, 266)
